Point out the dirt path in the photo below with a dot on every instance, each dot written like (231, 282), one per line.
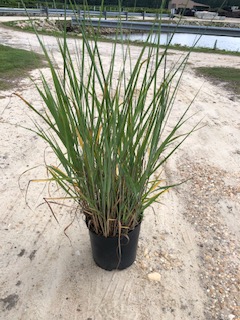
(192, 240)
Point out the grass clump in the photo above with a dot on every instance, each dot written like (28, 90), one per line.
(229, 77)
(109, 117)
(15, 64)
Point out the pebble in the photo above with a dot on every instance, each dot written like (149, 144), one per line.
(154, 276)
(145, 252)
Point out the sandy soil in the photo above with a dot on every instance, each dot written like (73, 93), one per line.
(191, 240)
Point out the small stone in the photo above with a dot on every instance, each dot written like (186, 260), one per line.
(231, 317)
(145, 252)
(221, 290)
(154, 276)
(143, 265)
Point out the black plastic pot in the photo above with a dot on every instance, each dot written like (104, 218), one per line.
(114, 253)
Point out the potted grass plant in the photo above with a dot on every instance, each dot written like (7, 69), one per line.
(108, 123)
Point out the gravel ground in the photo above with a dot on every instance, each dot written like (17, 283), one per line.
(219, 248)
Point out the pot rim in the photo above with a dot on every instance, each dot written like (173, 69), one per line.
(117, 235)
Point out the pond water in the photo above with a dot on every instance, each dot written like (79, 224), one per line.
(187, 39)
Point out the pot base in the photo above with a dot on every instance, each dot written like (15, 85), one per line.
(115, 253)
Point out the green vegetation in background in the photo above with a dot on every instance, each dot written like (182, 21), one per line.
(230, 77)
(15, 64)
(147, 6)
(140, 4)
